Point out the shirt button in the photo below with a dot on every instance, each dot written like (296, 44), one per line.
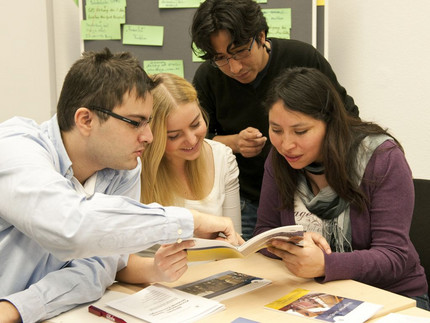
(179, 240)
(179, 231)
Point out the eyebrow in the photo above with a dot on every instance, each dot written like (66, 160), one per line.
(194, 120)
(301, 124)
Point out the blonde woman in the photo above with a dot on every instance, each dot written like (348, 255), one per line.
(181, 167)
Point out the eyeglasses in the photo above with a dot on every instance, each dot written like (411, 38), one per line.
(244, 53)
(141, 124)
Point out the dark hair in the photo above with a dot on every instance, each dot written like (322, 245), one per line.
(242, 19)
(309, 91)
(100, 79)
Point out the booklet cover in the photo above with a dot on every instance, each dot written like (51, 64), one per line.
(209, 249)
(224, 285)
(324, 307)
(161, 304)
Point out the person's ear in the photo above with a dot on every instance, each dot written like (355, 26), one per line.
(84, 120)
(262, 37)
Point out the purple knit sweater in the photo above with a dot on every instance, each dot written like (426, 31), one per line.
(383, 255)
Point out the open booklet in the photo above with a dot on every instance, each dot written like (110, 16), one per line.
(324, 307)
(224, 285)
(209, 249)
(161, 304)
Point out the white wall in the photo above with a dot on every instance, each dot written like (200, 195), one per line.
(380, 51)
(40, 40)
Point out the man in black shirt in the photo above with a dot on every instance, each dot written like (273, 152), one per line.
(232, 85)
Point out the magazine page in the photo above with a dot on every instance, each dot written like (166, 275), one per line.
(161, 304)
(210, 249)
(324, 307)
(224, 285)
(290, 233)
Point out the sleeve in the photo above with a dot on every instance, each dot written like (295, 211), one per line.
(231, 205)
(324, 66)
(41, 203)
(383, 259)
(206, 97)
(269, 215)
(81, 281)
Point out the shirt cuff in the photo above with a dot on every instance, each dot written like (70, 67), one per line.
(28, 304)
(184, 220)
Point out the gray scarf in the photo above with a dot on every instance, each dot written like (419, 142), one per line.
(333, 210)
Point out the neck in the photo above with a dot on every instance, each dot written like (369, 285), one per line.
(75, 150)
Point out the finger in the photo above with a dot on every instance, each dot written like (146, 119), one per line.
(286, 246)
(250, 152)
(169, 249)
(252, 143)
(250, 133)
(240, 239)
(320, 241)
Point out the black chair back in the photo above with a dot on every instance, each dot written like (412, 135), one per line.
(420, 227)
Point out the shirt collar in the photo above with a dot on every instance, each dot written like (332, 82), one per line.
(52, 129)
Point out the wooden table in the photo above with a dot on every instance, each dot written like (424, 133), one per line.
(250, 305)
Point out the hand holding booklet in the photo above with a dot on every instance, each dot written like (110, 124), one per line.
(208, 249)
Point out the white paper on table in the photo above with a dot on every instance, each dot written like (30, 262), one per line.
(158, 303)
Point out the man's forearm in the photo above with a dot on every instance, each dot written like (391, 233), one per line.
(228, 140)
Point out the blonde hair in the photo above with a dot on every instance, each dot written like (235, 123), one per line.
(159, 182)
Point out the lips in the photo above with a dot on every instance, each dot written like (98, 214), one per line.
(292, 159)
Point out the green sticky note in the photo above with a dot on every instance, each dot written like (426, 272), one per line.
(112, 12)
(164, 66)
(166, 4)
(143, 35)
(100, 29)
(279, 21)
(107, 2)
(261, 1)
(77, 2)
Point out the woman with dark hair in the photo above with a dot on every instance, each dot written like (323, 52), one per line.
(343, 179)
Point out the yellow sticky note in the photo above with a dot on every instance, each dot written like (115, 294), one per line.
(143, 35)
(164, 66)
(100, 29)
(279, 21)
(109, 12)
(166, 4)
(106, 2)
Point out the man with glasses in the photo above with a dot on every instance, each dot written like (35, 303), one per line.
(232, 85)
(69, 210)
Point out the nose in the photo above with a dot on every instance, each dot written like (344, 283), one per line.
(145, 135)
(234, 65)
(288, 143)
(191, 138)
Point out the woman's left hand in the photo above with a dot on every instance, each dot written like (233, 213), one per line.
(307, 261)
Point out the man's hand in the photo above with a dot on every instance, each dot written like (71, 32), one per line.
(9, 313)
(249, 142)
(211, 226)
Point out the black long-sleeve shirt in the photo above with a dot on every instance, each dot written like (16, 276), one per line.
(233, 106)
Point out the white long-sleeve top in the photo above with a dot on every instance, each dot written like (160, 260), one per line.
(224, 198)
